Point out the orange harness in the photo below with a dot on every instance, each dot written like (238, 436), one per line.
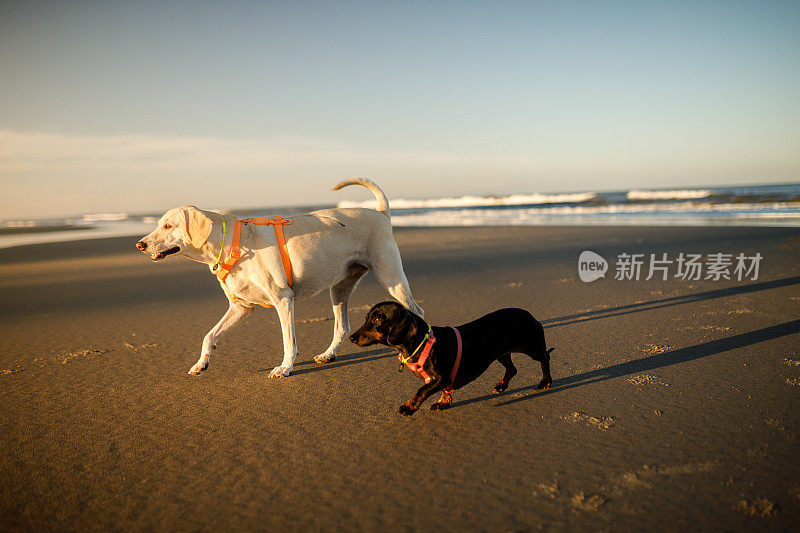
(419, 365)
(235, 252)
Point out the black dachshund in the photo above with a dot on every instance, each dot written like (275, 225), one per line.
(432, 352)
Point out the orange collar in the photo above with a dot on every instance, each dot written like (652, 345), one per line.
(223, 269)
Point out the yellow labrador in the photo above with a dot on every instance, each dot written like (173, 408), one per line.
(329, 249)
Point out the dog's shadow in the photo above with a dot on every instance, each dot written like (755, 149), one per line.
(636, 366)
(341, 360)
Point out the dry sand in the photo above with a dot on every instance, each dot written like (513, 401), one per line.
(674, 407)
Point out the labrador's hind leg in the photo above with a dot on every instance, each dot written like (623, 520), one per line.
(388, 269)
(340, 296)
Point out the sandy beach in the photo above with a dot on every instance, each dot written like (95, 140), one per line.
(674, 404)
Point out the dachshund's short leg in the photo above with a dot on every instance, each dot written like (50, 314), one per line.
(411, 406)
(543, 356)
(511, 371)
(547, 379)
(443, 403)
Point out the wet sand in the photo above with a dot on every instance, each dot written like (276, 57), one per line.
(675, 403)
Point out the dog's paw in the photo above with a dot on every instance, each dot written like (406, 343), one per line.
(406, 410)
(544, 384)
(197, 368)
(440, 406)
(280, 372)
(500, 387)
(322, 358)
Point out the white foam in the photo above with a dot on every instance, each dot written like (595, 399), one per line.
(478, 201)
(105, 217)
(19, 224)
(677, 194)
(683, 213)
(125, 228)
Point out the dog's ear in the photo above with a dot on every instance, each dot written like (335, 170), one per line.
(402, 327)
(198, 226)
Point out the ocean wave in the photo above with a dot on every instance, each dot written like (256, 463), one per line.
(19, 224)
(675, 194)
(479, 201)
(681, 213)
(65, 230)
(105, 217)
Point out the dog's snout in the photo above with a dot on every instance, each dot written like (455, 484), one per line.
(141, 245)
(354, 337)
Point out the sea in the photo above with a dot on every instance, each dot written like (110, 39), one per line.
(757, 205)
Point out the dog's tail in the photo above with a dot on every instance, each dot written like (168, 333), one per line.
(383, 202)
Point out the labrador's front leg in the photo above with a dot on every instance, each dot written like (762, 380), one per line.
(236, 312)
(285, 308)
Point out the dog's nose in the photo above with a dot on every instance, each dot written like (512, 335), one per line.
(354, 337)
(141, 245)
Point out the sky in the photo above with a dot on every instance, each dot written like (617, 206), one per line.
(118, 106)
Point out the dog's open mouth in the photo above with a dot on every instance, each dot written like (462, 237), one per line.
(161, 255)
